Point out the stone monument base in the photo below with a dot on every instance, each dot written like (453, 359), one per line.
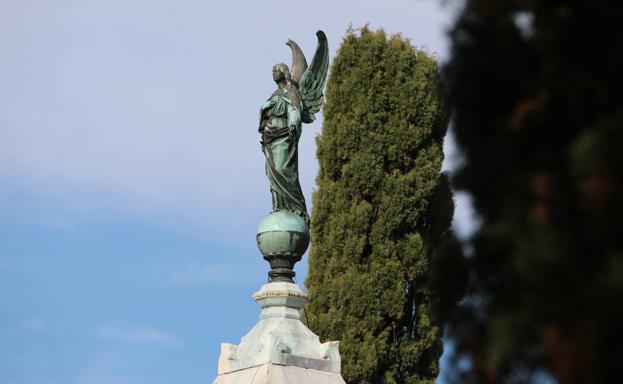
(279, 374)
(280, 348)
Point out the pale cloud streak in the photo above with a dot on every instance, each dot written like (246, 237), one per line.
(204, 273)
(142, 334)
(103, 380)
(35, 324)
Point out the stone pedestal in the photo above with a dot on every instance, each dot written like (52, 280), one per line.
(277, 374)
(280, 348)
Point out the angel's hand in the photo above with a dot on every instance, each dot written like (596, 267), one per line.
(268, 103)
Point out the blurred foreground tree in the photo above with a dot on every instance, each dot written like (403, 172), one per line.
(381, 211)
(535, 88)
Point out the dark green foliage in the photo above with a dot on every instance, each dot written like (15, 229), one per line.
(536, 88)
(381, 208)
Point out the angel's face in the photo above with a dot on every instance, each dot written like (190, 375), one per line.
(278, 74)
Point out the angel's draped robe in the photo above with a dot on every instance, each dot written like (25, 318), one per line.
(280, 126)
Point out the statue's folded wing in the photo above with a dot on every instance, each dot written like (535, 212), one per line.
(313, 80)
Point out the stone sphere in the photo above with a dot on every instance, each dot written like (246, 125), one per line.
(283, 233)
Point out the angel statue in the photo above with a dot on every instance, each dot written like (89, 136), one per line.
(297, 99)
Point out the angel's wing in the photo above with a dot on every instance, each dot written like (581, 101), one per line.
(299, 64)
(313, 80)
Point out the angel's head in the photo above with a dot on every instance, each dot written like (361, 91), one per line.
(281, 73)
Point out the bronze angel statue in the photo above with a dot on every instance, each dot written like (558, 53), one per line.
(297, 99)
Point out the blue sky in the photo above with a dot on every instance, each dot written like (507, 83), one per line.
(131, 178)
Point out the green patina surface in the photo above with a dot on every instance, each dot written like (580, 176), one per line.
(283, 236)
(284, 233)
(282, 221)
(296, 100)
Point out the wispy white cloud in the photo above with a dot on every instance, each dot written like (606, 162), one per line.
(143, 334)
(55, 223)
(199, 273)
(35, 324)
(102, 380)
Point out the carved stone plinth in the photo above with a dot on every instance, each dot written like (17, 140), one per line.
(279, 374)
(280, 348)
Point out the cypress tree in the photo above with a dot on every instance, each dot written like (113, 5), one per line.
(381, 209)
(535, 89)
